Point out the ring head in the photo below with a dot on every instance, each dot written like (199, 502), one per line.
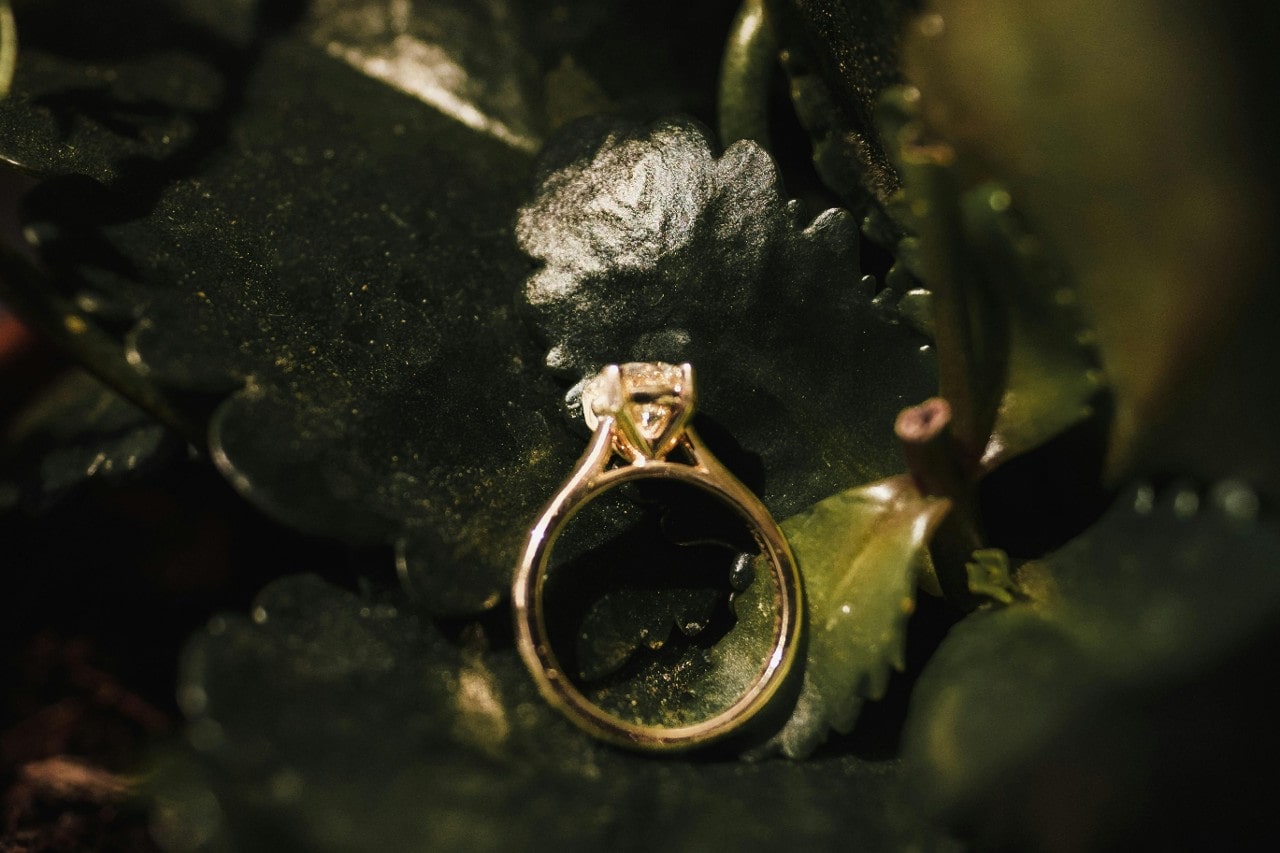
(650, 401)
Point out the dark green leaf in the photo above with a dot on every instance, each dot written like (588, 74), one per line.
(840, 56)
(329, 721)
(1177, 243)
(298, 216)
(653, 249)
(77, 430)
(1133, 677)
(1017, 355)
(336, 276)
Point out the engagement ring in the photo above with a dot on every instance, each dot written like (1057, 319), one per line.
(640, 415)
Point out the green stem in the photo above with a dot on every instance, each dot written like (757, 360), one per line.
(969, 328)
(750, 56)
(936, 462)
(8, 47)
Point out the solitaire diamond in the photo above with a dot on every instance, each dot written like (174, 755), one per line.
(649, 396)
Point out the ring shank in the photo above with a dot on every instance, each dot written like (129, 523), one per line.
(590, 479)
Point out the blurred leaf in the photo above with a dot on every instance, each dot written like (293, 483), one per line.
(1017, 357)
(1179, 245)
(296, 220)
(839, 56)
(859, 552)
(1138, 652)
(331, 720)
(1052, 375)
(8, 47)
(74, 431)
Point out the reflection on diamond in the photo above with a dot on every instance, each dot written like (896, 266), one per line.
(653, 392)
(649, 394)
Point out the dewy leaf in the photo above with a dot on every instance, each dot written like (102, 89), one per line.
(1138, 658)
(653, 249)
(332, 721)
(859, 553)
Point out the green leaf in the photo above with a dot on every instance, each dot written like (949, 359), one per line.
(859, 552)
(654, 249)
(1052, 377)
(329, 721)
(1017, 356)
(1069, 133)
(1136, 659)
(328, 290)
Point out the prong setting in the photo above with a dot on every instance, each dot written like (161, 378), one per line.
(650, 404)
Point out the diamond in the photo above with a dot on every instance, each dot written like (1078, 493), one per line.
(654, 392)
(652, 397)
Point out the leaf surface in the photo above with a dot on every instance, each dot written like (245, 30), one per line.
(859, 552)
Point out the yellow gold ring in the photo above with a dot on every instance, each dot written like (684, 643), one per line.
(640, 416)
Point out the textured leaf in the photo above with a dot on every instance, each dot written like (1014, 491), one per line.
(331, 720)
(297, 217)
(859, 552)
(1132, 680)
(653, 249)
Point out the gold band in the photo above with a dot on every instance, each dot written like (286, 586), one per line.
(642, 424)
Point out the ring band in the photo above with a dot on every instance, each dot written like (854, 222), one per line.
(640, 414)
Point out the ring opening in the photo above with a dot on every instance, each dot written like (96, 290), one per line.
(654, 606)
